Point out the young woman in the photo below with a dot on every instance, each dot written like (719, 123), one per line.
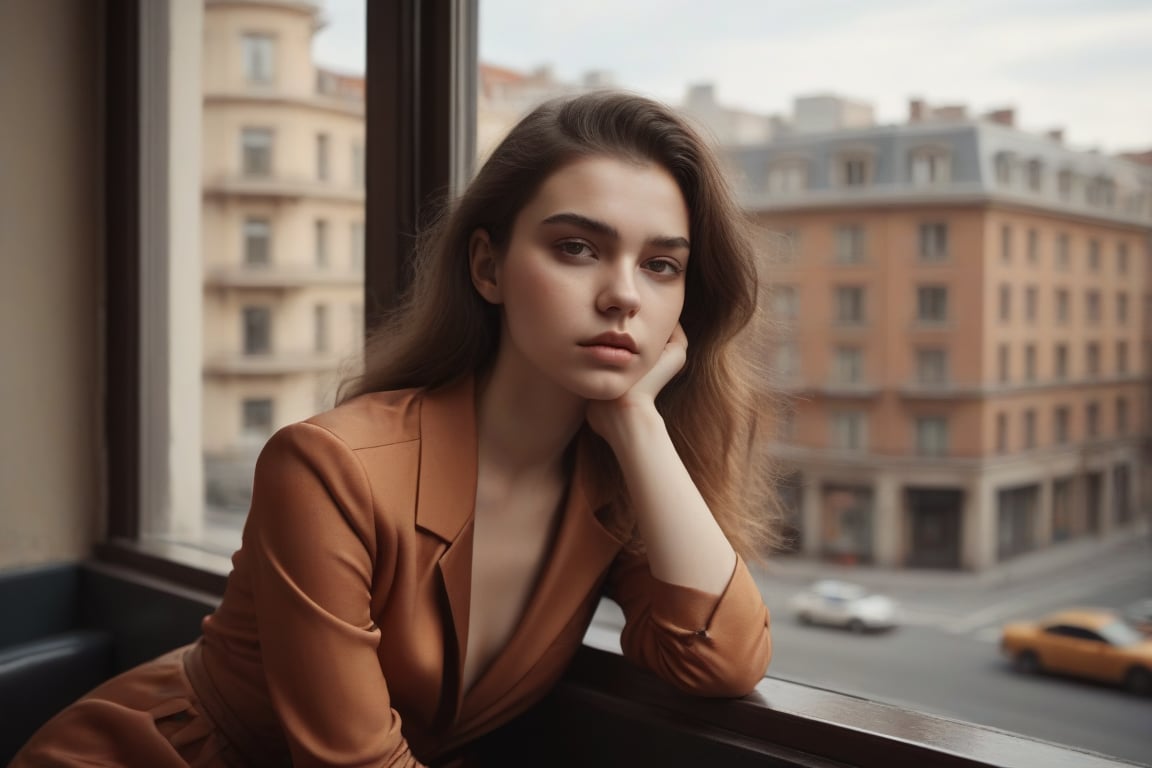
(562, 409)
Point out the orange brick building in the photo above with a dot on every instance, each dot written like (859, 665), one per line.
(968, 314)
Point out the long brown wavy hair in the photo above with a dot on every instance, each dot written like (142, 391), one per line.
(444, 330)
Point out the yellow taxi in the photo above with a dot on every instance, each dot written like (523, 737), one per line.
(1085, 642)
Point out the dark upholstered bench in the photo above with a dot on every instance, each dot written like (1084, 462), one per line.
(65, 628)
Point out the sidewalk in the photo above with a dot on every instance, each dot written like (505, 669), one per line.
(1134, 542)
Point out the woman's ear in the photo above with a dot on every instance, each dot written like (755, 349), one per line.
(483, 266)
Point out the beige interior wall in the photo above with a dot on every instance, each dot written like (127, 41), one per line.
(50, 276)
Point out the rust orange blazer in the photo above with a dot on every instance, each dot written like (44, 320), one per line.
(341, 635)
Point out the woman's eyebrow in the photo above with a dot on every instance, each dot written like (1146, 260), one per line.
(607, 230)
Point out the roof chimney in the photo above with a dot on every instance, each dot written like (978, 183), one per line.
(1005, 116)
(915, 110)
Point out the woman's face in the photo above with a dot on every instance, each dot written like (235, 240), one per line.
(592, 280)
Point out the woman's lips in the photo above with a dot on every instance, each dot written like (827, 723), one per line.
(613, 339)
(611, 355)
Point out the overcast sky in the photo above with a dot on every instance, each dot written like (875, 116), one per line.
(1084, 65)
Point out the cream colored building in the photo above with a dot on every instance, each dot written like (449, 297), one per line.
(282, 232)
(970, 349)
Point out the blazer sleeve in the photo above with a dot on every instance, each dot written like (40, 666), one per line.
(314, 550)
(704, 644)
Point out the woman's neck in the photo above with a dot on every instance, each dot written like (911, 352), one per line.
(524, 424)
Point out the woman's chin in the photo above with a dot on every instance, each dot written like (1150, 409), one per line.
(603, 388)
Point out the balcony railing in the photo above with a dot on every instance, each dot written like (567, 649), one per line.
(277, 276)
(270, 364)
(280, 187)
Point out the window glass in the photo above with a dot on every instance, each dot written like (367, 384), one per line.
(265, 244)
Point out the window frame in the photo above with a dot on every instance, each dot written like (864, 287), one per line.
(417, 124)
(418, 82)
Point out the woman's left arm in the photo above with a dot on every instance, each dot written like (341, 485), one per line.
(685, 544)
(694, 614)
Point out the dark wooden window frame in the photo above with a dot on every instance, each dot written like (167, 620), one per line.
(415, 105)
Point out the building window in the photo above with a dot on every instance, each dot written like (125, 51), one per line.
(257, 330)
(932, 436)
(849, 365)
(1121, 307)
(1121, 416)
(850, 304)
(933, 241)
(1122, 358)
(849, 244)
(1033, 246)
(1063, 303)
(1122, 258)
(1001, 432)
(256, 418)
(1061, 424)
(1061, 361)
(1005, 302)
(320, 242)
(320, 327)
(1030, 301)
(356, 239)
(1064, 184)
(1004, 363)
(259, 58)
(786, 362)
(1004, 162)
(1094, 255)
(932, 366)
(322, 142)
(1030, 362)
(1030, 428)
(1063, 260)
(787, 246)
(356, 322)
(1092, 307)
(1092, 358)
(256, 151)
(257, 237)
(855, 171)
(1035, 175)
(1092, 419)
(848, 431)
(931, 166)
(787, 177)
(784, 302)
(1005, 243)
(932, 303)
(358, 165)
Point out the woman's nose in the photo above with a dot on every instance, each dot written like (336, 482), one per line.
(619, 293)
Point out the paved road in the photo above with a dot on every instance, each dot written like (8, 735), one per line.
(946, 661)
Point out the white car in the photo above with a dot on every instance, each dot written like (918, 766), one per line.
(844, 604)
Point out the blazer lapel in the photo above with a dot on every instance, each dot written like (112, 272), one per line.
(581, 553)
(445, 507)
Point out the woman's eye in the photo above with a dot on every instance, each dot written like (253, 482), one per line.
(663, 267)
(574, 248)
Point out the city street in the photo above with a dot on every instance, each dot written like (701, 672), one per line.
(946, 660)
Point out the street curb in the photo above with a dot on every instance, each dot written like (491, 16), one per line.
(1024, 567)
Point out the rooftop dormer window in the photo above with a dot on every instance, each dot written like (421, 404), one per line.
(931, 165)
(853, 168)
(787, 176)
(1064, 183)
(1035, 175)
(1005, 164)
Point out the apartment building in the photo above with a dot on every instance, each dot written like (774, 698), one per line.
(282, 231)
(968, 315)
